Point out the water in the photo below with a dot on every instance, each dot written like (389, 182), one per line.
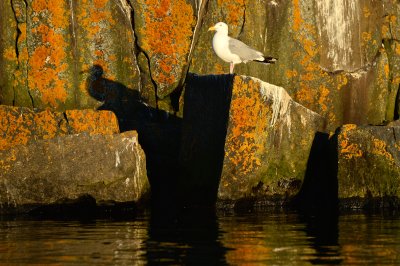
(205, 238)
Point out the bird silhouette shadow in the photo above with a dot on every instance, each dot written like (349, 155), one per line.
(127, 104)
(159, 132)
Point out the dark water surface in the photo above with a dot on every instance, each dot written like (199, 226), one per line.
(205, 238)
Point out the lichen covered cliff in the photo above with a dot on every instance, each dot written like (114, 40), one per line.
(339, 62)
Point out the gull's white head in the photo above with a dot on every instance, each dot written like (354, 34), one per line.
(220, 27)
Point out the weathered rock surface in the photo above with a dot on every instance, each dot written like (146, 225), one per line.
(164, 31)
(368, 165)
(339, 59)
(257, 142)
(331, 58)
(106, 167)
(47, 49)
(20, 125)
(268, 142)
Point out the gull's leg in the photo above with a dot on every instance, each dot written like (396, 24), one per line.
(232, 65)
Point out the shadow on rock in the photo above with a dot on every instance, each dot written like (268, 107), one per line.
(126, 103)
(184, 164)
(319, 192)
(206, 112)
(159, 132)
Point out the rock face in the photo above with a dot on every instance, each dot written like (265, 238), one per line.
(368, 165)
(268, 142)
(48, 48)
(331, 57)
(254, 139)
(164, 33)
(339, 59)
(107, 167)
(20, 125)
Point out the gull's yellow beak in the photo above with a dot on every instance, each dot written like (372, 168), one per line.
(211, 28)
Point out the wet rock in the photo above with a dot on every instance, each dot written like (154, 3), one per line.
(255, 139)
(20, 125)
(49, 48)
(106, 167)
(368, 165)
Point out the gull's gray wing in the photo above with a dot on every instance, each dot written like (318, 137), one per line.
(241, 49)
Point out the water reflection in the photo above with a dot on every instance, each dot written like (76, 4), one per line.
(191, 238)
(279, 239)
(64, 242)
(365, 239)
(202, 237)
(324, 232)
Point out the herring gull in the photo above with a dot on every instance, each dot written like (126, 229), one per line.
(234, 51)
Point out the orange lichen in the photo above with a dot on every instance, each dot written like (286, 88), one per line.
(92, 122)
(38, 58)
(393, 19)
(9, 54)
(23, 55)
(348, 127)
(341, 81)
(20, 73)
(309, 46)
(96, 20)
(100, 3)
(348, 150)
(47, 61)
(22, 35)
(397, 146)
(166, 36)
(235, 10)
(379, 147)
(386, 69)
(7, 161)
(112, 58)
(366, 12)
(305, 96)
(297, 19)
(59, 18)
(39, 5)
(20, 125)
(308, 75)
(291, 73)
(323, 98)
(366, 36)
(396, 80)
(384, 30)
(218, 69)
(46, 124)
(397, 48)
(248, 116)
(16, 127)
